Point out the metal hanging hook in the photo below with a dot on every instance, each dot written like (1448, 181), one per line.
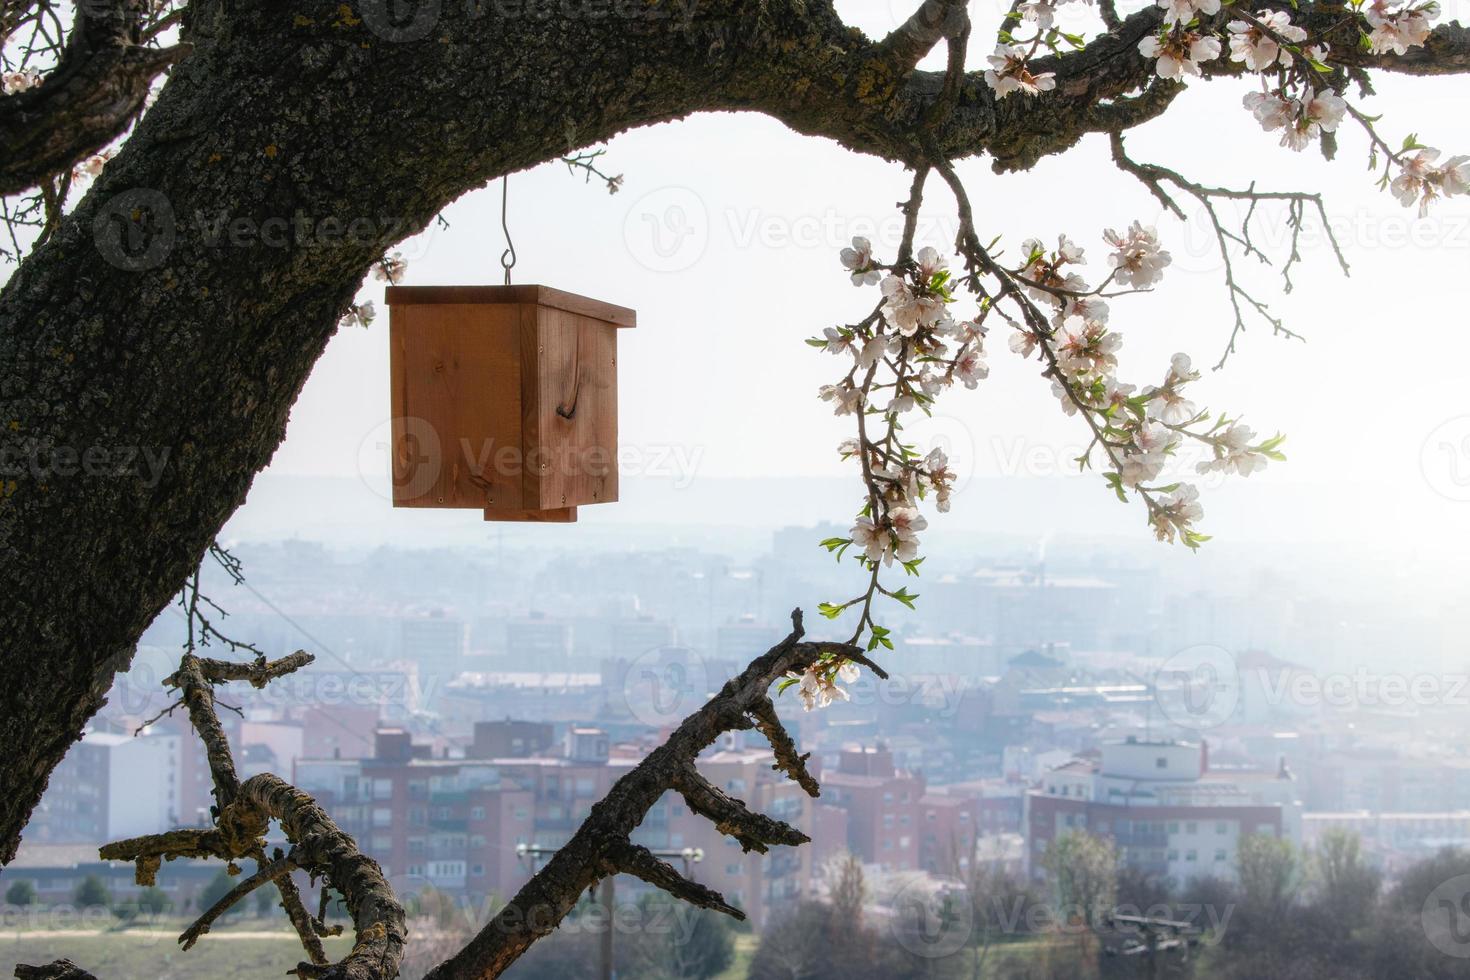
(507, 257)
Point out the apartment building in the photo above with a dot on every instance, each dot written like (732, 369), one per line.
(1165, 809)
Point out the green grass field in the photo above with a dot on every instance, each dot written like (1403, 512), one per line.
(237, 950)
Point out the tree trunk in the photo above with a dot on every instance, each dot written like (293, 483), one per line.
(151, 351)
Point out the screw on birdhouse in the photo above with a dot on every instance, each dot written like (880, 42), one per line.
(563, 500)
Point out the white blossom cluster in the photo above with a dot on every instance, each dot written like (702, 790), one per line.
(817, 685)
(1421, 180)
(1136, 430)
(911, 348)
(1398, 28)
(12, 82)
(389, 269)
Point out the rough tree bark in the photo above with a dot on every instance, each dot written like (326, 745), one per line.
(144, 327)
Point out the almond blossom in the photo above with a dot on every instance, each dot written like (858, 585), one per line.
(358, 315)
(872, 539)
(1258, 47)
(1137, 261)
(844, 397)
(971, 368)
(1022, 342)
(390, 268)
(818, 687)
(1040, 13)
(1180, 52)
(1167, 402)
(1398, 30)
(1045, 274)
(1144, 459)
(12, 82)
(907, 523)
(858, 260)
(1271, 110)
(1085, 350)
(837, 340)
(1184, 11)
(1008, 73)
(1233, 451)
(1420, 180)
(909, 309)
(1176, 513)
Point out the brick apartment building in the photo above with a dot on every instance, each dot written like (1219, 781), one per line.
(455, 823)
(882, 804)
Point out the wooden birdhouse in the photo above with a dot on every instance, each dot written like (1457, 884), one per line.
(505, 399)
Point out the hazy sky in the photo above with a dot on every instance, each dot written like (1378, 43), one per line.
(725, 240)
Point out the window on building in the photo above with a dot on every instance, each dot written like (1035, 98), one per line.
(477, 813)
(1162, 762)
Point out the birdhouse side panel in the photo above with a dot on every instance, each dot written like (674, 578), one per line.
(457, 404)
(572, 421)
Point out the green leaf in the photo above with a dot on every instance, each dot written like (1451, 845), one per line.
(831, 610)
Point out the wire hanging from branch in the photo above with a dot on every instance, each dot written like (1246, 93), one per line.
(507, 257)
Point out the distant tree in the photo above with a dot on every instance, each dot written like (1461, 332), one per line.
(679, 942)
(1345, 888)
(267, 900)
(1398, 947)
(92, 893)
(153, 900)
(22, 892)
(1270, 872)
(1082, 869)
(219, 886)
(999, 908)
(815, 942)
(847, 888)
(1144, 890)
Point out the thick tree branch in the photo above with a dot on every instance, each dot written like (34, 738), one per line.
(242, 814)
(59, 970)
(601, 846)
(93, 94)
